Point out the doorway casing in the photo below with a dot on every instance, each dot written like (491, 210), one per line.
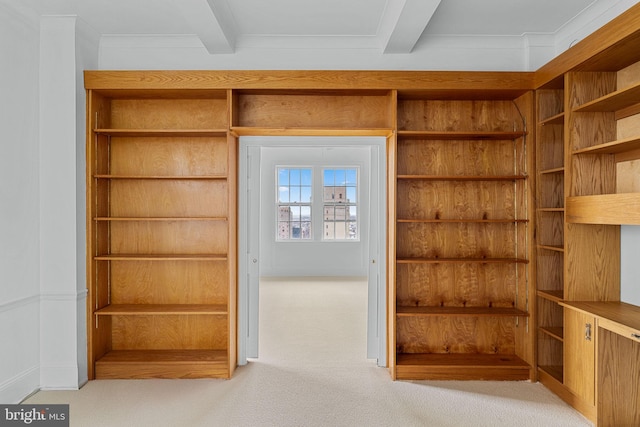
(249, 246)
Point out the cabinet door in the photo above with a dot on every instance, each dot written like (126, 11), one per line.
(579, 354)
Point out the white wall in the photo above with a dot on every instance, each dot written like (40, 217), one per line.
(19, 204)
(316, 257)
(43, 286)
(630, 268)
(480, 53)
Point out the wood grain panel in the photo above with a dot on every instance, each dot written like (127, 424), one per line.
(169, 282)
(588, 129)
(550, 146)
(313, 111)
(550, 270)
(456, 285)
(100, 164)
(612, 209)
(489, 335)
(551, 190)
(177, 332)
(175, 237)
(549, 103)
(628, 177)
(463, 367)
(183, 364)
(618, 379)
(550, 354)
(433, 115)
(141, 198)
(584, 87)
(169, 113)
(593, 174)
(550, 228)
(550, 314)
(456, 240)
(418, 199)
(628, 76)
(457, 158)
(504, 85)
(147, 156)
(593, 264)
(579, 355)
(628, 127)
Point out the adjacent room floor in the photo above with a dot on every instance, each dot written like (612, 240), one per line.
(312, 371)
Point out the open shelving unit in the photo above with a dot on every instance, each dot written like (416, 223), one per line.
(461, 238)
(550, 215)
(161, 240)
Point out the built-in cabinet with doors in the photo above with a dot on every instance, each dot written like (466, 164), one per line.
(506, 192)
(588, 165)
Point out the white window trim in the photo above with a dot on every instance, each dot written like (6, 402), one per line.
(317, 207)
(278, 203)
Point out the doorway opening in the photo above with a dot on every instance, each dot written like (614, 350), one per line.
(277, 265)
(320, 321)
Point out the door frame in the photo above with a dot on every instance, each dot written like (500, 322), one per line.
(248, 260)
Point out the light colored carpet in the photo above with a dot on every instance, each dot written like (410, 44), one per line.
(312, 371)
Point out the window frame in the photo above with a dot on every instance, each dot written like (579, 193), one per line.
(355, 204)
(279, 204)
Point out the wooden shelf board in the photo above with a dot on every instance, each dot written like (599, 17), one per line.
(612, 209)
(461, 260)
(168, 177)
(557, 119)
(551, 248)
(161, 309)
(613, 147)
(463, 221)
(463, 177)
(161, 257)
(160, 219)
(161, 132)
(550, 209)
(163, 364)
(293, 131)
(460, 311)
(553, 331)
(551, 295)
(619, 312)
(559, 170)
(432, 366)
(614, 101)
(554, 373)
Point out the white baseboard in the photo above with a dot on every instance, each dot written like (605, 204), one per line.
(59, 377)
(15, 389)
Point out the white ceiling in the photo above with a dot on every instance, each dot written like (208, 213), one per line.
(393, 26)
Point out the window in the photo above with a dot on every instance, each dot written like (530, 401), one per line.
(294, 203)
(340, 189)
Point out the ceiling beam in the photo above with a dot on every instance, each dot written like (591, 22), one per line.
(404, 22)
(209, 23)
